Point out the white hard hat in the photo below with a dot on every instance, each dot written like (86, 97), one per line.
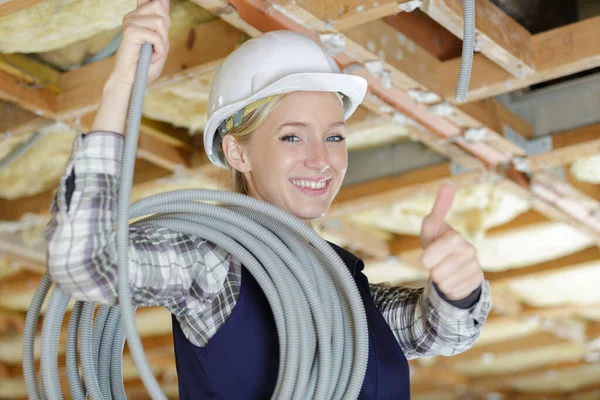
(274, 63)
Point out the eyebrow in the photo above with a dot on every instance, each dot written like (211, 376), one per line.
(304, 125)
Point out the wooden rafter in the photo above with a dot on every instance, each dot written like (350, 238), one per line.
(347, 14)
(199, 50)
(40, 101)
(556, 53)
(8, 7)
(384, 191)
(499, 37)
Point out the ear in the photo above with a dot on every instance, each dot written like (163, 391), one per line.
(235, 154)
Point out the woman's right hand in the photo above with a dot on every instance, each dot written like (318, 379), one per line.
(148, 23)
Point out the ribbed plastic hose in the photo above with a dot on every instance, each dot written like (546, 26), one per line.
(75, 385)
(21, 149)
(317, 308)
(468, 47)
(29, 332)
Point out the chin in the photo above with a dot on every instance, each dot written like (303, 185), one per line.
(310, 212)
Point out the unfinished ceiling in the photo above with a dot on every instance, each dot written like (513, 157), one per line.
(529, 203)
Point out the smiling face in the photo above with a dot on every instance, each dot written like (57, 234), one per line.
(296, 159)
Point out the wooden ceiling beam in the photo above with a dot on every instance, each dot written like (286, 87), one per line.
(39, 100)
(568, 146)
(14, 120)
(344, 14)
(12, 6)
(499, 37)
(567, 262)
(556, 53)
(384, 191)
(199, 50)
(426, 33)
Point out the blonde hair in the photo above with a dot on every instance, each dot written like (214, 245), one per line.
(243, 134)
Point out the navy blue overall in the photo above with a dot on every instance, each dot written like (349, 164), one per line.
(241, 359)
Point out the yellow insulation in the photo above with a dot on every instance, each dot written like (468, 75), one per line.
(39, 168)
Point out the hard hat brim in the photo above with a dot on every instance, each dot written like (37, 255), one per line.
(354, 87)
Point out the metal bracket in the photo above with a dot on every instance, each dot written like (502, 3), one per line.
(457, 169)
(533, 146)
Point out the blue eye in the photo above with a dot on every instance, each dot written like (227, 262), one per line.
(289, 138)
(336, 138)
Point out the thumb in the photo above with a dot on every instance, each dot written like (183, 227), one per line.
(434, 224)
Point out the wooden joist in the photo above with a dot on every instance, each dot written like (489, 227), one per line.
(384, 191)
(344, 14)
(8, 7)
(39, 100)
(567, 262)
(567, 147)
(14, 120)
(556, 53)
(197, 51)
(499, 37)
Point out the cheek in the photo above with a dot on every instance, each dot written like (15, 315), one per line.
(338, 158)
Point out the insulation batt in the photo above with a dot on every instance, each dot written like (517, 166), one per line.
(39, 168)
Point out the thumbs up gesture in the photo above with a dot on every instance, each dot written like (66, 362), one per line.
(451, 260)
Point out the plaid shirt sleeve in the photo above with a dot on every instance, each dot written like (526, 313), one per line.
(425, 324)
(197, 281)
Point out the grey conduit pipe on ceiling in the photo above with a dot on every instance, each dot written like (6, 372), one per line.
(468, 47)
(314, 300)
(20, 150)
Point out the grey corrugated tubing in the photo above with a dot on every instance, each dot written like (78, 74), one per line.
(50, 339)
(466, 62)
(317, 308)
(21, 149)
(29, 332)
(75, 385)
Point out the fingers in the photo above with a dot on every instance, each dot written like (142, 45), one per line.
(434, 224)
(150, 16)
(457, 279)
(443, 202)
(451, 242)
(141, 35)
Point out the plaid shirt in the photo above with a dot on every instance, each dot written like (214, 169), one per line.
(194, 279)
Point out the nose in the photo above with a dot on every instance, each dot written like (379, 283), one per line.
(317, 159)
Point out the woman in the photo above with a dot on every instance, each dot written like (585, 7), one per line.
(276, 119)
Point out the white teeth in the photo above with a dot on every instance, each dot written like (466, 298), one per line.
(310, 184)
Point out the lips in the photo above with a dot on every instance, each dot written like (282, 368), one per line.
(311, 187)
(303, 183)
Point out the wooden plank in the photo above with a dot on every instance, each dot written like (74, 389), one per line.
(567, 147)
(400, 244)
(14, 120)
(382, 192)
(536, 340)
(588, 255)
(31, 71)
(40, 101)
(491, 114)
(426, 33)
(556, 53)
(356, 237)
(395, 49)
(499, 37)
(438, 125)
(227, 12)
(345, 14)
(498, 381)
(8, 7)
(197, 51)
(579, 207)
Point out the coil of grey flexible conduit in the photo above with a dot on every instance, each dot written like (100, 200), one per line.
(314, 300)
(333, 369)
(468, 47)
